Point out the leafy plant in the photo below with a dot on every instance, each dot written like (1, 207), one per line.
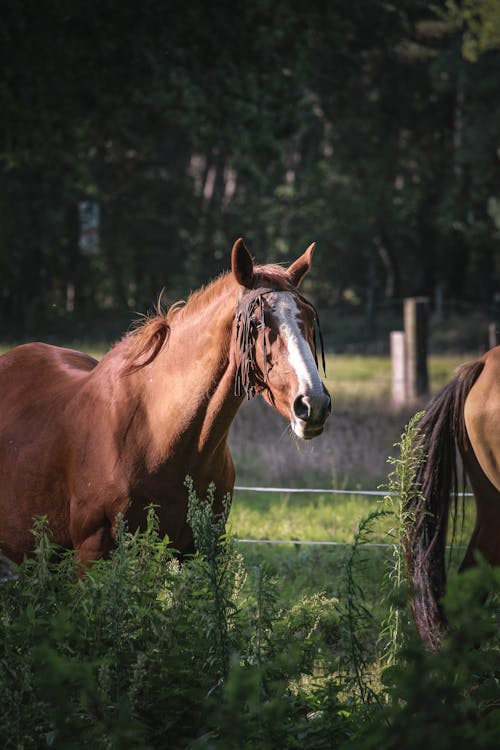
(449, 698)
(144, 652)
(358, 624)
(400, 489)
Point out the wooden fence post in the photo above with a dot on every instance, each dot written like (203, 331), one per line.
(492, 335)
(398, 365)
(416, 331)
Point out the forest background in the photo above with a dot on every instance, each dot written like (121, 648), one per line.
(370, 127)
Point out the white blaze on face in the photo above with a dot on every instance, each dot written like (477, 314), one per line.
(309, 383)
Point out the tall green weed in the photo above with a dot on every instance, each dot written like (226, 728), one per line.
(145, 652)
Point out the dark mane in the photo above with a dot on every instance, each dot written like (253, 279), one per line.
(436, 488)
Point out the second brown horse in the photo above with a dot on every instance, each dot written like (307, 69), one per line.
(464, 416)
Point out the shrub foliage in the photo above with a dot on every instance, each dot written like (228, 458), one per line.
(144, 652)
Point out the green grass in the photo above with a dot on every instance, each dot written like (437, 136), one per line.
(300, 516)
(361, 385)
(313, 517)
(303, 569)
(369, 378)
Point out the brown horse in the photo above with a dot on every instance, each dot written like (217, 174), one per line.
(464, 415)
(82, 442)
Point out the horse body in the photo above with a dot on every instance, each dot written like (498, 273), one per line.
(482, 458)
(464, 415)
(36, 381)
(82, 442)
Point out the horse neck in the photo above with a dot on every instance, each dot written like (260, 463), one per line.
(188, 389)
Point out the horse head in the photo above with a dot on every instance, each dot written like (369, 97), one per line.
(275, 342)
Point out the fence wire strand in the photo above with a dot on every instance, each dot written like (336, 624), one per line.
(316, 491)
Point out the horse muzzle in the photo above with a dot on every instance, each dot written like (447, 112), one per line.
(310, 412)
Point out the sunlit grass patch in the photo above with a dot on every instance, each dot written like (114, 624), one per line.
(314, 517)
(368, 378)
(319, 517)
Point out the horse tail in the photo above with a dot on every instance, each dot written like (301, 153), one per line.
(436, 486)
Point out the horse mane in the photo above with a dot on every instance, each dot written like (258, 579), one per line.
(146, 341)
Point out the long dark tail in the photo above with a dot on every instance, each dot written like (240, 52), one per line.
(436, 487)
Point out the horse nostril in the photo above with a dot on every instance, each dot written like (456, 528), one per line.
(302, 408)
(329, 403)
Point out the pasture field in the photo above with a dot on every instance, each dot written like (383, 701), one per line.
(352, 453)
(368, 378)
(358, 438)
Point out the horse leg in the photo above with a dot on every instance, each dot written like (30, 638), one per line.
(485, 538)
(93, 528)
(91, 535)
(94, 546)
(469, 559)
(484, 541)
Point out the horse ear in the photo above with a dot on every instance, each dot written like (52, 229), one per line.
(242, 264)
(301, 266)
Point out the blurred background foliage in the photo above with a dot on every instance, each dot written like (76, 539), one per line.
(372, 128)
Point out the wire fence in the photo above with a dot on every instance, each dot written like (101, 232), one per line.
(314, 491)
(318, 491)
(299, 542)
(310, 542)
